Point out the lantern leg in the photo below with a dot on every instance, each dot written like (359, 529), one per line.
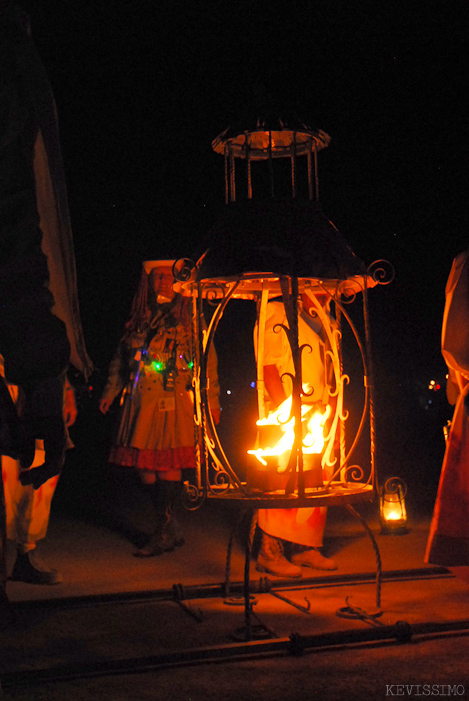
(375, 548)
(247, 597)
(248, 632)
(242, 516)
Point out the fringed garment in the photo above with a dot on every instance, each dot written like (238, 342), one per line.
(156, 428)
(448, 541)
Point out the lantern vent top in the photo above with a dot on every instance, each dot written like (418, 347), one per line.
(265, 141)
(273, 137)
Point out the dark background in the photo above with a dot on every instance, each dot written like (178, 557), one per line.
(142, 88)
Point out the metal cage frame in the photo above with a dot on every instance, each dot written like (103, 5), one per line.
(216, 478)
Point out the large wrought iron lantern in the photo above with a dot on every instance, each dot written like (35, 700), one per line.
(284, 252)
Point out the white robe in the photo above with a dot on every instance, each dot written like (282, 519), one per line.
(303, 526)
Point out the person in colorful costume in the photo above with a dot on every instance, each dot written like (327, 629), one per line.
(302, 529)
(152, 372)
(448, 541)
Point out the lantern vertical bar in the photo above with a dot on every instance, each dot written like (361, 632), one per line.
(248, 166)
(203, 391)
(271, 166)
(293, 166)
(227, 178)
(316, 175)
(342, 445)
(370, 385)
(196, 386)
(310, 169)
(295, 464)
(232, 176)
(260, 348)
(297, 390)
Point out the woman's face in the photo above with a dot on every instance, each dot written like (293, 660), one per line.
(162, 279)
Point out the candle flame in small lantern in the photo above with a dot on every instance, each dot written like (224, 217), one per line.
(392, 508)
(393, 513)
(313, 428)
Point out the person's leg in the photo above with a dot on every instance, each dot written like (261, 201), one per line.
(271, 559)
(30, 568)
(307, 539)
(27, 516)
(303, 529)
(166, 535)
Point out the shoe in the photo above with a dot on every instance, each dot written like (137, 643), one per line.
(162, 541)
(272, 560)
(175, 532)
(311, 557)
(29, 568)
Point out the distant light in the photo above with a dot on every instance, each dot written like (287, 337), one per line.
(253, 384)
(228, 391)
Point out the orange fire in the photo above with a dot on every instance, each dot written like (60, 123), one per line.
(313, 430)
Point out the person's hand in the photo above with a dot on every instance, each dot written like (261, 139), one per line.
(104, 405)
(43, 416)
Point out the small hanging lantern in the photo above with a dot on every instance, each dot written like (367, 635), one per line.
(392, 509)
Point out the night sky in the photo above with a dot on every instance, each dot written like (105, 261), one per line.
(142, 88)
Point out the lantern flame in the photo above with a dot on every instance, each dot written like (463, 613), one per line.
(313, 430)
(392, 510)
(393, 515)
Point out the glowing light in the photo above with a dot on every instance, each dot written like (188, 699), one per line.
(393, 512)
(313, 431)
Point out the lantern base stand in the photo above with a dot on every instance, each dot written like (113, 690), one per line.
(390, 530)
(335, 494)
(258, 631)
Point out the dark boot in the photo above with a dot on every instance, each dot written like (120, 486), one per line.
(160, 542)
(175, 532)
(29, 568)
(167, 534)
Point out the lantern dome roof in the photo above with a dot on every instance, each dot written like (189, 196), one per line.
(290, 237)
